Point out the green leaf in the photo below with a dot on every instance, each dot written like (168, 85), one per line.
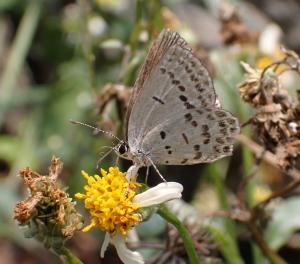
(285, 221)
(226, 244)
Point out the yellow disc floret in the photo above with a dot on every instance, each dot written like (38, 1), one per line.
(109, 200)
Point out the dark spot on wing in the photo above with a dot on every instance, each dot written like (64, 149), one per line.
(233, 129)
(217, 149)
(220, 113)
(158, 100)
(206, 134)
(226, 149)
(183, 98)
(231, 121)
(188, 117)
(162, 134)
(206, 83)
(171, 75)
(184, 161)
(220, 140)
(196, 147)
(222, 123)
(163, 70)
(198, 155)
(194, 123)
(181, 88)
(210, 117)
(205, 128)
(206, 141)
(189, 105)
(188, 70)
(185, 138)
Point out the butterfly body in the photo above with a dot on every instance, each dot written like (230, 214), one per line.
(137, 156)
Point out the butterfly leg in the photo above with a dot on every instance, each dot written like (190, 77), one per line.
(157, 171)
(103, 157)
(147, 174)
(117, 160)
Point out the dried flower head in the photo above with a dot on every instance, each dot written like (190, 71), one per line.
(258, 88)
(109, 93)
(288, 153)
(233, 30)
(277, 120)
(48, 211)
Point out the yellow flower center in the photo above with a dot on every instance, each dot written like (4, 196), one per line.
(109, 200)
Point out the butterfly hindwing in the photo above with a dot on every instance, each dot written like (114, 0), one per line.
(194, 136)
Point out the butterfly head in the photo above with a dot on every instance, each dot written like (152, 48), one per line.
(122, 150)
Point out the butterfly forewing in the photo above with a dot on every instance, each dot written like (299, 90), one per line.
(174, 110)
(165, 40)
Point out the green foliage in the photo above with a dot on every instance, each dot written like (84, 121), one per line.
(284, 222)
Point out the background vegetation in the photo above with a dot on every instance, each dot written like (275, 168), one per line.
(62, 60)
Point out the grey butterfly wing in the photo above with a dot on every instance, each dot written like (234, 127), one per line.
(165, 40)
(195, 136)
(177, 86)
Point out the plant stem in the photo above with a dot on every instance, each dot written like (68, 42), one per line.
(68, 256)
(267, 251)
(187, 240)
(248, 165)
(137, 26)
(18, 52)
(215, 174)
(87, 45)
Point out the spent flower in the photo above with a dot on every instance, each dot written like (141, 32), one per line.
(49, 213)
(277, 118)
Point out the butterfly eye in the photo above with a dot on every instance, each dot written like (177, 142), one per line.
(123, 148)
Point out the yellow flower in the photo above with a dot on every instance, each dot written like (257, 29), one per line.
(264, 61)
(109, 200)
(114, 206)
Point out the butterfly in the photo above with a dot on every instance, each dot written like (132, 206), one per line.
(174, 116)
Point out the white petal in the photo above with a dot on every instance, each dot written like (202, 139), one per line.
(132, 172)
(132, 236)
(104, 244)
(126, 255)
(269, 39)
(161, 193)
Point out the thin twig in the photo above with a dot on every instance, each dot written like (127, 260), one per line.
(268, 156)
(252, 224)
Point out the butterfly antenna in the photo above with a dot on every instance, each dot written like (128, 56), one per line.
(96, 129)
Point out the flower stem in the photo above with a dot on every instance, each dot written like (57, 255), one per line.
(68, 256)
(187, 240)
